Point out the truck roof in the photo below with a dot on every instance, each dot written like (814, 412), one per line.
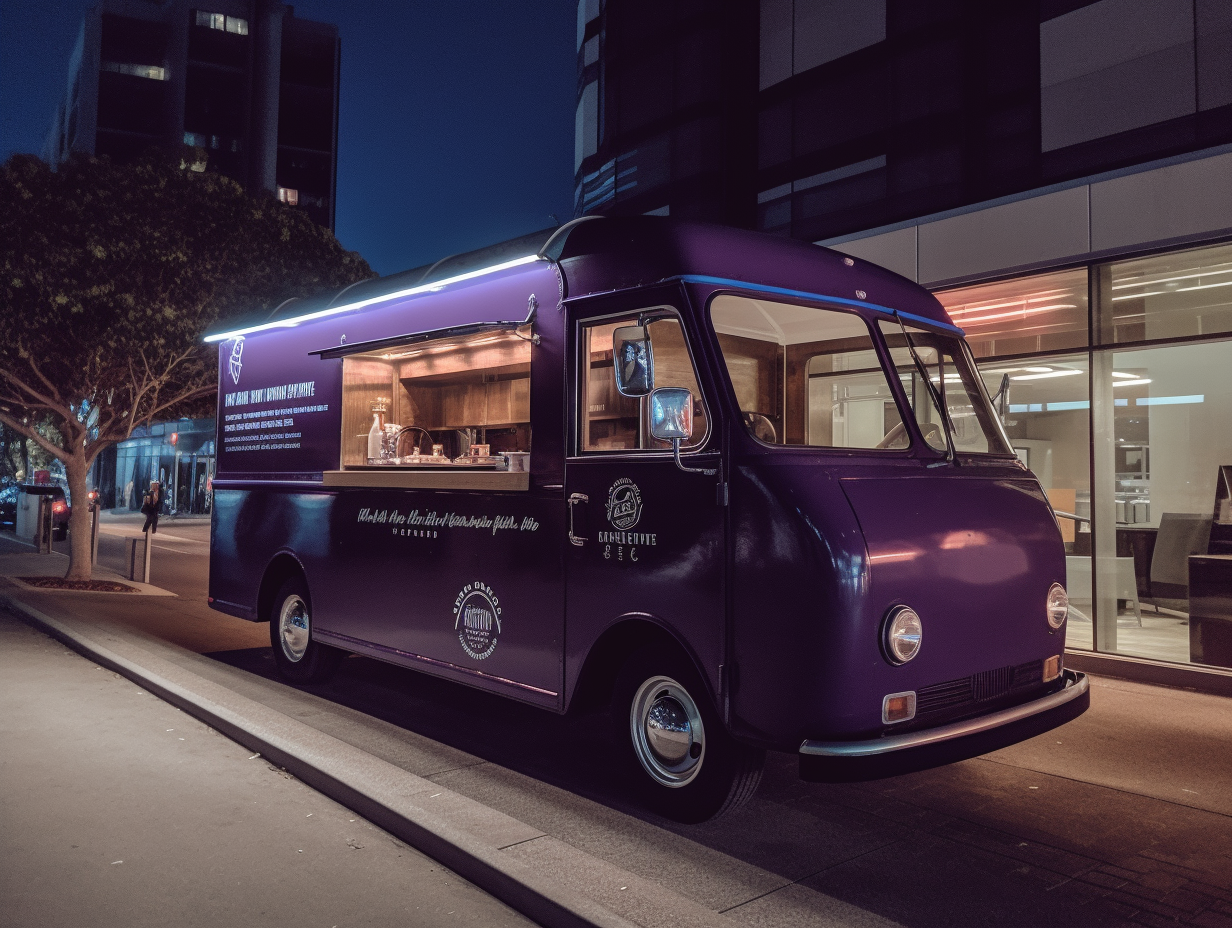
(603, 254)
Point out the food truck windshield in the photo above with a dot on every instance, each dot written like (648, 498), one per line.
(813, 376)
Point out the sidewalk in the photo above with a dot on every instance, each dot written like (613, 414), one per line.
(18, 559)
(117, 809)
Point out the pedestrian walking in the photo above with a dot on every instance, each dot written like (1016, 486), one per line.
(150, 505)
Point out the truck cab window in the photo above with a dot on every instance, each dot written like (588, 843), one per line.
(612, 422)
(806, 376)
(975, 426)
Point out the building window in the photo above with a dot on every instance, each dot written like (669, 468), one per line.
(1127, 439)
(796, 37)
(1047, 312)
(1174, 295)
(289, 196)
(149, 71)
(222, 22)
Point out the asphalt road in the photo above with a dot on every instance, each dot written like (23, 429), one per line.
(1123, 817)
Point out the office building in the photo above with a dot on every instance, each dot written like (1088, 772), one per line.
(246, 80)
(1059, 172)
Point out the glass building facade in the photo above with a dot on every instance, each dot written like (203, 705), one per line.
(179, 455)
(1059, 172)
(1117, 396)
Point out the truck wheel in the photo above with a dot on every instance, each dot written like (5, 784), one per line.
(299, 659)
(685, 764)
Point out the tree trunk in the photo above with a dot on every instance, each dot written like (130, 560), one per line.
(77, 469)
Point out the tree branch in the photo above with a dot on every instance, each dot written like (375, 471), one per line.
(31, 433)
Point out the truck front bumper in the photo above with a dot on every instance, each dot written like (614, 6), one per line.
(873, 758)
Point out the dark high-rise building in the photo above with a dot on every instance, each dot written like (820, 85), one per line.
(820, 118)
(246, 80)
(1058, 172)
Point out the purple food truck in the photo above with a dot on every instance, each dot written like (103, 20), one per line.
(739, 492)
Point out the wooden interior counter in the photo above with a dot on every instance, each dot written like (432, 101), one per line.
(402, 478)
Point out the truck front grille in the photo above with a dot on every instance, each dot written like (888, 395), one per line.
(968, 692)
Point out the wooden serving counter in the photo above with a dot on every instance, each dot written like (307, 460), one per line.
(403, 478)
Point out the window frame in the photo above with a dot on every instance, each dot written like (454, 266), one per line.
(879, 347)
(982, 388)
(581, 403)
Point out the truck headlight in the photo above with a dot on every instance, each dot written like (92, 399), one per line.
(1057, 607)
(900, 638)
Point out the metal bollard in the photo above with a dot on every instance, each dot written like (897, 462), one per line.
(145, 572)
(95, 514)
(42, 536)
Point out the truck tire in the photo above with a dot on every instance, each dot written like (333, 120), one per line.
(298, 658)
(685, 765)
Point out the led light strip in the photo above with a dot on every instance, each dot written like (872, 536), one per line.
(383, 298)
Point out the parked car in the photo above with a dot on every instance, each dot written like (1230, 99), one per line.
(8, 506)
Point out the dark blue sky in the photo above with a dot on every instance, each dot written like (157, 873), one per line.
(456, 127)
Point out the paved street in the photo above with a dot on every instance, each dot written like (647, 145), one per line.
(1123, 817)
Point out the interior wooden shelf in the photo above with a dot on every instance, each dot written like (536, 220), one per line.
(460, 479)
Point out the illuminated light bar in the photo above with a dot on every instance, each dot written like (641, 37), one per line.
(1139, 296)
(383, 298)
(1068, 373)
(1023, 311)
(1170, 400)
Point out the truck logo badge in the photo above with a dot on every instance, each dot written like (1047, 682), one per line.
(624, 504)
(477, 620)
(236, 364)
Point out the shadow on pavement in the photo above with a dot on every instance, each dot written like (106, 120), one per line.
(825, 851)
(566, 751)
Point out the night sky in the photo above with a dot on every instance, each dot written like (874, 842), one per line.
(456, 122)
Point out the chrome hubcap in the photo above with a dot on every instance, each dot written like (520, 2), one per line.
(293, 628)
(668, 736)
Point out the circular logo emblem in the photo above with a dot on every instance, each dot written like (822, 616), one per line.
(624, 504)
(477, 620)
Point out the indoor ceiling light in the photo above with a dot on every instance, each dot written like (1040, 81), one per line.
(1044, 376)
(1130, 383)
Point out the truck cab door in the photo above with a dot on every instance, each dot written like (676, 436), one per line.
(646, 540)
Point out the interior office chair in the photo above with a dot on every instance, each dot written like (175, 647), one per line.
(1180, 535)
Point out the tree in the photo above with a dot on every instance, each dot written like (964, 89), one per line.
(110, 275)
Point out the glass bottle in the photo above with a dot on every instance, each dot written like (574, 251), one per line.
(376, 434)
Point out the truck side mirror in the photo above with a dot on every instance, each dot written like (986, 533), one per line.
(671, 419)
(633, 360)
(671, 414)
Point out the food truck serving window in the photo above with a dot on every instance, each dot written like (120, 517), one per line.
(806, 376)
(613, 422)
(437, 403)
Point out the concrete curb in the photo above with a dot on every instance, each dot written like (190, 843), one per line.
(382, 793)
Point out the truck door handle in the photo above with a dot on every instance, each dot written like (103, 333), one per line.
(576, 498)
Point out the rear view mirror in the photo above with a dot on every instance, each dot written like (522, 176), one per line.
(633, 360)
(671, 414)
